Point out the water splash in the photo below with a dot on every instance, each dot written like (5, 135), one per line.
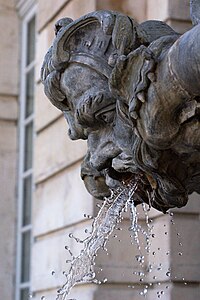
(82, 266)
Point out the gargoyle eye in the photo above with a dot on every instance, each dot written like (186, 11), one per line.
(106, 114)
(107, 117)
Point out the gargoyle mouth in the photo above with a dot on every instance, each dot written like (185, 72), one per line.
(120, 176)
(115, 179)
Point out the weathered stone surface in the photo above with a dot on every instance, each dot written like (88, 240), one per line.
(8, 108)
(83, 292)
(72, 9)
(168, 9)
(5, 5)
(185, 292)
(121, 291)
(180, 26)
(157, 10)
(9, 58)
(45, 113)
(54, 150)
(115, 5)
(8, 135)
(185, 248)
(179, 10)
(136, 9)
(43, 42)
(66, 200)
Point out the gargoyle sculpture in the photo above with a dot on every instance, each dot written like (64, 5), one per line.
(133, 91)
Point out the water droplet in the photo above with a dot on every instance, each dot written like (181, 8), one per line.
(167, 287)
(178, 234)
(167, 253)
(70, 235)
(154, 277)
(171, 213)
(43, 298)
(105, 280)
(144, 292)
(154, 253)
(166, 233)
(150, 268)
(180, 244)
(53, 273)
(120, 229)
(180, 253)
(86, 230)
(131, 286)
(153, 235)
(168, 274)
(140, 258)
(88, 216)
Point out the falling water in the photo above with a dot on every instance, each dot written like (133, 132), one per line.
(110, 214)
(82, 266)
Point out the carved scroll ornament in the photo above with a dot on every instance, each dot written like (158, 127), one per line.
(132, 90)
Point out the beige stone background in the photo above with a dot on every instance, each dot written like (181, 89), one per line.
(60, 199)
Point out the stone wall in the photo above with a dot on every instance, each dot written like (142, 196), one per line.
(8, 147)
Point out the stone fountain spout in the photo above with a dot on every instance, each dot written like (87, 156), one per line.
(133, 91)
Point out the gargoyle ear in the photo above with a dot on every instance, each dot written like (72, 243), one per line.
(131, 76)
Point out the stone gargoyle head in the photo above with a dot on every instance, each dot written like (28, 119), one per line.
(103, 72)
